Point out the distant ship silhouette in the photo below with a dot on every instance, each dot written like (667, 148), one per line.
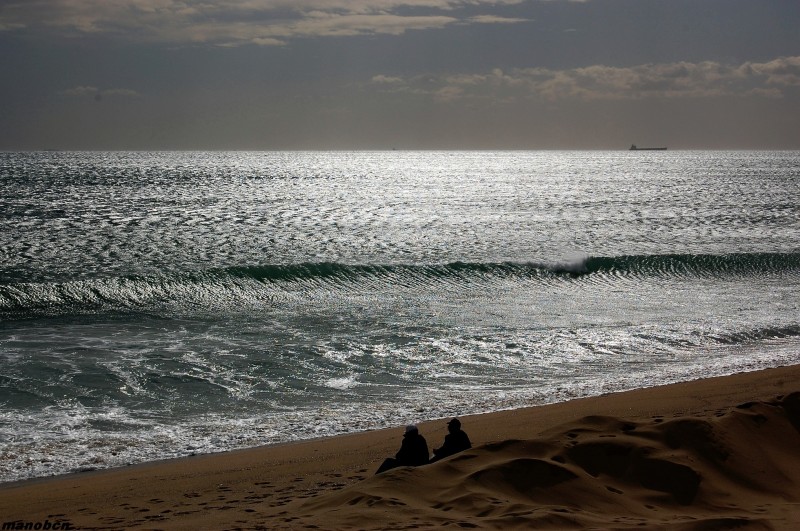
(634, 148)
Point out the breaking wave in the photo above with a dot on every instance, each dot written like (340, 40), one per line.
(137, 293)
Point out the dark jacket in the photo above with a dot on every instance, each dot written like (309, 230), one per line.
(413, 451)
(454, 442)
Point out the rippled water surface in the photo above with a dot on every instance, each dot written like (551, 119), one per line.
(161, 304)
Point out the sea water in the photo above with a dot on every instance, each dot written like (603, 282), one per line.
(157, 305)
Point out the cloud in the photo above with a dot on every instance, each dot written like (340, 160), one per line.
(88, 91)
(381, 79)
(784, 71)
(349, 25)
(79, 91)
(492, 19)
(10, 26)
(598, 82)
(671, 80)
(236, 22)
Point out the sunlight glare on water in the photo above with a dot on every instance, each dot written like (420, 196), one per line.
(160, 304)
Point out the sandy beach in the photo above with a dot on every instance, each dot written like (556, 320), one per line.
(714, 453)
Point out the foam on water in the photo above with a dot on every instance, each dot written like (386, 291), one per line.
(158, 305)
(72, 438)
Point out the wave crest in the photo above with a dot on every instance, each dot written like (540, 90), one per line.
(259, 283)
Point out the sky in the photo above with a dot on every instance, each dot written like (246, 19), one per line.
(399, 74)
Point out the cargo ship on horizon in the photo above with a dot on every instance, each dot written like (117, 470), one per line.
(634, 148)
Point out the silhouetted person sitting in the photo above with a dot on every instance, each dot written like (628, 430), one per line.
(454, 442)
(413, 451)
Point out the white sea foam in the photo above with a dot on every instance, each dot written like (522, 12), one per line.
(159, 305)
(346, 382)
(76, 444)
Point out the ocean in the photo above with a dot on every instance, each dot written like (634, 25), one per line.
(163, 304)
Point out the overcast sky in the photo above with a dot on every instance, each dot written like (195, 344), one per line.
(404, 74)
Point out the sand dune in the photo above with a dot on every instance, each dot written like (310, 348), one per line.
(721, 453)
(736, 469)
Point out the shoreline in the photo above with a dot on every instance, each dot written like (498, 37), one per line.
(331, 479)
